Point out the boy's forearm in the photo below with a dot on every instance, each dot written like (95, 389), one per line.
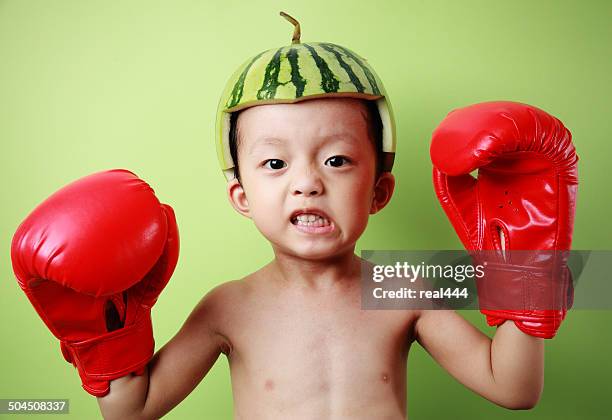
(127, 397)
(173, 372)
(517, 366)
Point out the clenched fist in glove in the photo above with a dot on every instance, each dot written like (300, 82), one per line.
(92, 259)
(522, 200)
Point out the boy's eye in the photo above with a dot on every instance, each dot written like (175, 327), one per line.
(275, 164)
(336, 161)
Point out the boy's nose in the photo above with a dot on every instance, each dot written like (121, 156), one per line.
(308, 184)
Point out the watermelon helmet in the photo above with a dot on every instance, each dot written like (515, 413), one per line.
(298, 72)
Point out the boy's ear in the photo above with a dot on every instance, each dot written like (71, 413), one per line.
(383, 190)
(237, 198)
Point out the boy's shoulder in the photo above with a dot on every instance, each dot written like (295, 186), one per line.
(237, 289)
(223, 309)
(224, 294)
(231, 294)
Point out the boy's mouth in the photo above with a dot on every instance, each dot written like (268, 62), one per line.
(310, 218)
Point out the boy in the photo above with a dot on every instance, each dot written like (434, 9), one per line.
(299, 345)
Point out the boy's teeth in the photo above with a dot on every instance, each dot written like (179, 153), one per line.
(311, 220)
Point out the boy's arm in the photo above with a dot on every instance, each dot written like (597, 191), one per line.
(508, 370)
(174, 371)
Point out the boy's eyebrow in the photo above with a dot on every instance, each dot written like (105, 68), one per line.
(342, 136)
(263, 141)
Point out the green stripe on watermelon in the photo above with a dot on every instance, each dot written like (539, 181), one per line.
(329, 82)
(347, 68)
(270, 83)
(238, 88)
(296, 78)
(365, 69)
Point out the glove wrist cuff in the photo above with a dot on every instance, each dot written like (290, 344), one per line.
(525, 287)
(112, 355)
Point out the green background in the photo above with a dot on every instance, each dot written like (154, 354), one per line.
(92, 85)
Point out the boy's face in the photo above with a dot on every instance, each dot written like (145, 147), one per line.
(308, 175)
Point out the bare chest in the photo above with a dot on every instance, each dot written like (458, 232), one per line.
(312, 354)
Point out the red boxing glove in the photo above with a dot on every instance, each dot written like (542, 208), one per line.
(523, 199)
(92, 259)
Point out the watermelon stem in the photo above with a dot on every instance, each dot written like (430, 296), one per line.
(296, 31)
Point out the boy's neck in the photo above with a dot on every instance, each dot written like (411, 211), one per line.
(338, 271)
